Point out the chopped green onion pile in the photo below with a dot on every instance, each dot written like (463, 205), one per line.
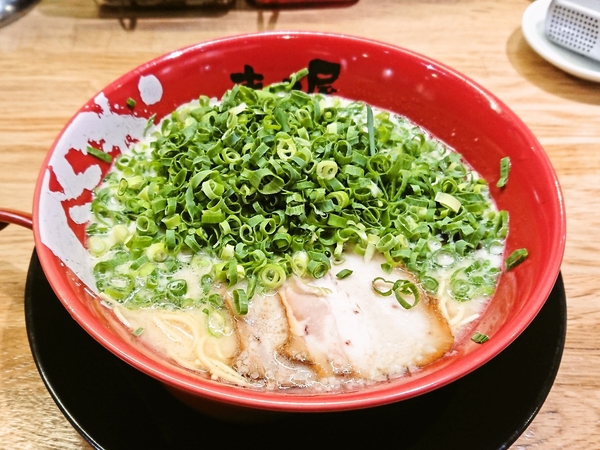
(275, 182)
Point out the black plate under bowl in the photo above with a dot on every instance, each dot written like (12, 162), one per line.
(114, 406)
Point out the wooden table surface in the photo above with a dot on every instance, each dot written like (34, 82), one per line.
(61, 53)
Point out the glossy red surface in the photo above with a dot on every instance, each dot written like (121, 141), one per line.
(449, 105)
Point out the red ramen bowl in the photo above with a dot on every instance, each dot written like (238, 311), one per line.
(447, 104)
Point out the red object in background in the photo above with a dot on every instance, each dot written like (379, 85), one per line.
(302, 3)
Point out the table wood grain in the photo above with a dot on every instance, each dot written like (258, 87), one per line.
(63, 52)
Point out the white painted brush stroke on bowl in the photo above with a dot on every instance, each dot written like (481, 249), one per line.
(112, 130)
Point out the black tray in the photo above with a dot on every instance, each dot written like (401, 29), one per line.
(114, 406)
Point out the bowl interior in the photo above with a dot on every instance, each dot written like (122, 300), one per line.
(444, 102)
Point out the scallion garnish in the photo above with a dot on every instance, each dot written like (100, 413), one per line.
(344, 273)
(516, 258)
(504, 170)
(403, 290)
(371, 131)
(138, 331)
(149, 123)
(102, 156)
(131, 103)
(240, 302)
(216, 322)
(448, 200)
(266, 184)
(480, 338)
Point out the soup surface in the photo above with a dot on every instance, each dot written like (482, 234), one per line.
(284, 240)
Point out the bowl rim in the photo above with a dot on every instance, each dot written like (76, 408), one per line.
(275, 401)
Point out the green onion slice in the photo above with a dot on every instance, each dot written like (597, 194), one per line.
(516, 258)
(504, 171)
(102, 156)
(480, 338)
(344, 273)
(240, 302)
(403, 290)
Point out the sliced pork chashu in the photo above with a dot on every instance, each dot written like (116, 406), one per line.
(261, 333)
(343, 326)
(314, 335)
